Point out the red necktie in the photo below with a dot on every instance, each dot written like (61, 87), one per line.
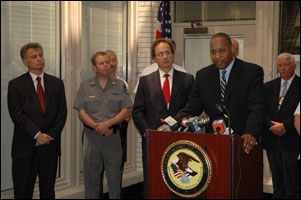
(166, 89)
(40, 94)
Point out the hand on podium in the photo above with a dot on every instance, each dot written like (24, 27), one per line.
(249, 142)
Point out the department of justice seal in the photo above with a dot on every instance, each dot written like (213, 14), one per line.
(186, 169)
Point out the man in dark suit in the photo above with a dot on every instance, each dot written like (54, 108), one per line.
(151, 103)
(234, 83)
(280, 138)
(37, 106)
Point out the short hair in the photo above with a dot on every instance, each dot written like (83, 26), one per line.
(158, 41)
(223, 35)
(24, 49)
(287, 55)
(111, 52)
(95, 55)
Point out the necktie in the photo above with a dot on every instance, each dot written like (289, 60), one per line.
(166, 90)
(283, 93)
(284, 89)
(40, 94)
(223, 84)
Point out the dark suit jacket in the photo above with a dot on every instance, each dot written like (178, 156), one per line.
(149, 104)
(243, 96)
(26, 113)
(285, 115)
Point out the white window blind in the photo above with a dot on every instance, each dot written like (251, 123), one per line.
(103, 28)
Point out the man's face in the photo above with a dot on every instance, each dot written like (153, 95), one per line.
(163, 56)
(103, 65)
(34, 60)
(114, 63)
(220, 52)
(285, 68)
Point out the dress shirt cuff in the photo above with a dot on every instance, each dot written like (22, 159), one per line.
(35, 137)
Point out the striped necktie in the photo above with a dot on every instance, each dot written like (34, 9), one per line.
(223, 84)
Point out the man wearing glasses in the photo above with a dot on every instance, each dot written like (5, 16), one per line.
(160, 94)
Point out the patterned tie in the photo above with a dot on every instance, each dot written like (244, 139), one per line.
(223, 84)
(40, 94)
(283, 93)
(284, 89)
(166, 90)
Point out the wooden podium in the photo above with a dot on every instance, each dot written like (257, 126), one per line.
(232, 168)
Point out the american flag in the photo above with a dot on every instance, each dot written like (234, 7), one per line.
(164, 21)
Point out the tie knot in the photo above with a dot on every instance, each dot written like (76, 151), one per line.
(38, 79)
(285, 83)
(166, 75)
(224, 72)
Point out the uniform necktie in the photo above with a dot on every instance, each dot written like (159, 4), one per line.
(40, 94)
(223, 84)
(166, 90)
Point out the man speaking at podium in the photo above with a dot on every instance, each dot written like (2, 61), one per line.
(231, 82)
(160, 94)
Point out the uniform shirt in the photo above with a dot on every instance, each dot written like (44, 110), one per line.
(102, 104)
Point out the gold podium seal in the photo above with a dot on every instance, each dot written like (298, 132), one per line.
(186, 169)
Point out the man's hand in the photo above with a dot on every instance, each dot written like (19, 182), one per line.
(249, 142)
(278, 128)
(103, 129)
(43, 139)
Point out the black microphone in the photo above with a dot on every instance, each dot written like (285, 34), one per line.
(222, 109)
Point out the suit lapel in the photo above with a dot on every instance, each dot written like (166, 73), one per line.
(174, 90)
(233, 79)
(292, 89)
(276, 92)
(47, 90)
(157, 87)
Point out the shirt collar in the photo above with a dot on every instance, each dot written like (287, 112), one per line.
(34, 76)
(288, 81)
(162, 73)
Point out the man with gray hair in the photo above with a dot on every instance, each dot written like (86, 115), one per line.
(280, 138)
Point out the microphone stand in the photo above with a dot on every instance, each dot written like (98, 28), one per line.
(229, 120)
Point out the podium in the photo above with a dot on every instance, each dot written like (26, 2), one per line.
(234, 174)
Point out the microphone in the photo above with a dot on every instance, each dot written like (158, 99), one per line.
(222, 109)
(193, 124)
(172, 124)
(219, 126)
(183, 125)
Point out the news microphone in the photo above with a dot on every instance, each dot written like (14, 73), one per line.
(183, 124)
(204, 121)
(222, 109)
(171, 123)
(193, 124)
(219, 126)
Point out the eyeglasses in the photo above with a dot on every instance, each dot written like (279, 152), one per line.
(161, 54)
